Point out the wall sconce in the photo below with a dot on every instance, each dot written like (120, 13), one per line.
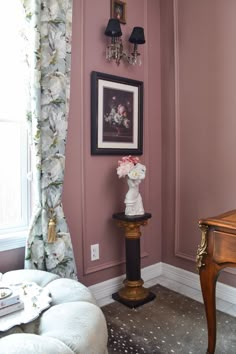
(114, 50)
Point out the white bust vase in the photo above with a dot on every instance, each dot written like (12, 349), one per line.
(133, 199)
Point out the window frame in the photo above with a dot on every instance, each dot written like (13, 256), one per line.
(15, 237)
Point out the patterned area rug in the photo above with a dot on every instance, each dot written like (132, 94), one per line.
(172, 323)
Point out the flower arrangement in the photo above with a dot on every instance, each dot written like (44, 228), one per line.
(130, 166)
(117, 117)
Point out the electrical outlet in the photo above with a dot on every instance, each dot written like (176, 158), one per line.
(94, 252)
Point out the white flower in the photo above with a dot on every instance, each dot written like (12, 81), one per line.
(55, 253)
(53, 170)
(137, 172)
(47, 138)
(37, 252)
(54, 87)
(124, 168)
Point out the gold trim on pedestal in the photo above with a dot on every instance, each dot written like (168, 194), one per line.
(133, 290)
(132, 229)
(133, 294)
(201, 252)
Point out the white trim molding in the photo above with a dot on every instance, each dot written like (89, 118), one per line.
(173, 278)
(103, 291)
(12, 240)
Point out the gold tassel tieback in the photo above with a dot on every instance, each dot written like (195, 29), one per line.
(52, 235)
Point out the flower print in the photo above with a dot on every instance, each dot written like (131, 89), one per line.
(121, 109)
(55, 253)
(53, 170)
(126, 123)
(47, 35)
(117, 117)
(37, 253)
(53, 86)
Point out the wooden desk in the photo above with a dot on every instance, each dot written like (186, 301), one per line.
(216, 252)
(133, 294)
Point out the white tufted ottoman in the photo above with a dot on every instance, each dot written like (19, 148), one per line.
(74, 324)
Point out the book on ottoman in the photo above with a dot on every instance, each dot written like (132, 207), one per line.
(8, 297)
(12, 308)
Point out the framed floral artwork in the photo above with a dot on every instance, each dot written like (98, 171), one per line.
(118, 10)
(116, 115)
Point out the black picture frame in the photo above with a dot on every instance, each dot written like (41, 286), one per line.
(116, 115)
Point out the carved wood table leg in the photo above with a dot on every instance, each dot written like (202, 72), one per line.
(216, 252)
(208, 277)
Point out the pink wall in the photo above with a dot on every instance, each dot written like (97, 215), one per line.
(92, 191)
(188, 147)
(198, 112)
(11, 260)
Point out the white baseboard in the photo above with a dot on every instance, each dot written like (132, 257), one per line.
(103, 291)
(173, 278)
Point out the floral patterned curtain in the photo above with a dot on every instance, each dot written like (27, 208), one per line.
(48, 38)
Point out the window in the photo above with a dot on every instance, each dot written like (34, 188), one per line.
(14, 186)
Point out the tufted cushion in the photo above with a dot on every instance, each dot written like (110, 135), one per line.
(31, 343)
(87, 317)
(67, 290)
(74, 324)
(38, 276)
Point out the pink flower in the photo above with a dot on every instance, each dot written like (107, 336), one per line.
(133, 159)
(126, 164)
(124, 168)
(121, 109)
(126, 123)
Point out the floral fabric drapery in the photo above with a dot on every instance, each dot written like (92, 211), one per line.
(48, 38)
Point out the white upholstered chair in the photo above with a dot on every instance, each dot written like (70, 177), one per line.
(73, 324)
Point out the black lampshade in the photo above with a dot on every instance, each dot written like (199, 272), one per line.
(137, 36)
(113, 28)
